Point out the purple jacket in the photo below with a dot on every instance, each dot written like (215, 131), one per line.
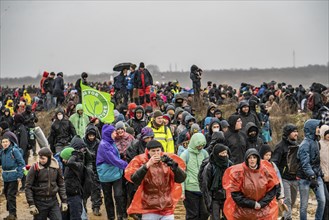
(107, 151)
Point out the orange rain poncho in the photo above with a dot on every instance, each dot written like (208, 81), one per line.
(254, 184)
(158, 192)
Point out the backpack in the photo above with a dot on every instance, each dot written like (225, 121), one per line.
(310, 102)
(20, 150)
(293, 162)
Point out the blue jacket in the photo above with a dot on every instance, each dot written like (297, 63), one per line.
(308, 152)
(12, 163)
(109, 165)
(130, 78)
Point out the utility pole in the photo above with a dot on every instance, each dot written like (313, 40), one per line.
(294, 58)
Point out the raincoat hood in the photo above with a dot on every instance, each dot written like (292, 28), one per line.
(310, 128)
(107, 132)
(79, 107)
(197, 139)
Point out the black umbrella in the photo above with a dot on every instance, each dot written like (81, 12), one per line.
(121, 66)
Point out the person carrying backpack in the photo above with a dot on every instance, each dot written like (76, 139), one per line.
(41, 196)
(287, 146)
(210, 180)
(12, 164)
(192, 196)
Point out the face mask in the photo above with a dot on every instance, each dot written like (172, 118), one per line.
(215, 130)
(60, 117)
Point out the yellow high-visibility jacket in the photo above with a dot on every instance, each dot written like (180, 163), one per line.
(164, 136)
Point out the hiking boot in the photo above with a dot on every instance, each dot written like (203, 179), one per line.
(96, 212)
(10, 217)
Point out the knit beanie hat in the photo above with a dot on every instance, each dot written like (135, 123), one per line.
(120, 125)
(66, 153)
(153, 144)
(157, 113)
(195, 128)
(167, 117)
(264, 149)
(46, 152)
(218, 148)
(147, 132)
(224, 124)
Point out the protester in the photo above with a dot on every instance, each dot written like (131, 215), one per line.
(235, 139)
(92, 143)
(61, 132)
(48, 86)
(79, 120)
(280, 158)
(58, 91)
(73, 173)
(310, 172)
(324, 158)
(192, 196)
(251, 188)
(211, 182)
(159, 176)
(12, 164)
(110, 170)
(161, 132)
(143, 81)
(42, 196)
(77, 86)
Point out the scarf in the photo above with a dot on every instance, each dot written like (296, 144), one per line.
(220, 164)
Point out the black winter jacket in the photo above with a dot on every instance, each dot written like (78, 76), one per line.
(148, 80)
(61, 133)
(73, 174)
(279, 157)
(237, 143)
(136, 148)
(48, 85)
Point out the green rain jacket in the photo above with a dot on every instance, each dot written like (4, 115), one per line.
(193, 159)
(79, 122)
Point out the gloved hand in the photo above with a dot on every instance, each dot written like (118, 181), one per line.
(64, 207)
(257, 205)
(33, 210)
(169, 161)
(314, 183)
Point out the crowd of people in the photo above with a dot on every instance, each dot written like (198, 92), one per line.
(160, 149)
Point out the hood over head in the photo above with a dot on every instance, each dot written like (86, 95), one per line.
(310, 128)
(77, 143)
(249, 152)
(107, 131)
(196, 140)
(232, 121)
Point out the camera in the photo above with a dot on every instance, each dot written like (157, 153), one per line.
(170, 162)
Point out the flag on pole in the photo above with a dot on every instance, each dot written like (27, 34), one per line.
(97, 104)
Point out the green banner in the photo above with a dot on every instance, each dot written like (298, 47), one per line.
(97, 104)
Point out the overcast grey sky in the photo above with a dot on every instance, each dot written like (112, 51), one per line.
(77, 36)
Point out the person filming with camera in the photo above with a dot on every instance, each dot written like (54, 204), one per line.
(159, 176)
